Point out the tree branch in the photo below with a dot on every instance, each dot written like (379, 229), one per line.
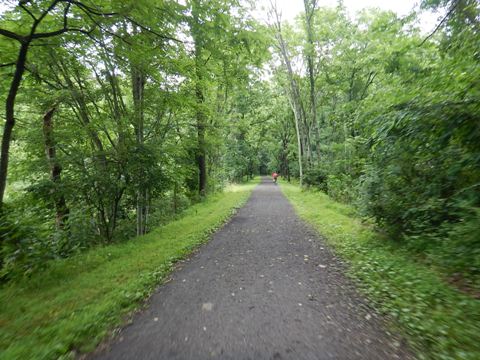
(143, 27)
(93, 20)
(22, 5)
(57, 86)
(12, 35)
(7, 64)
(49, 34)
(45, 13)
(450, 12)
(90, 9)
(61, 31)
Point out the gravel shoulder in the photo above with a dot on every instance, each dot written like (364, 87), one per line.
(265, 287)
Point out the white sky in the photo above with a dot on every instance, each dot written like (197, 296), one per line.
(291, 8)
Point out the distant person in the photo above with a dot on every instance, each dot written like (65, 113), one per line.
(275, 176)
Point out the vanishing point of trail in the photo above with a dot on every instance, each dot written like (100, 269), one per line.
(265, 287)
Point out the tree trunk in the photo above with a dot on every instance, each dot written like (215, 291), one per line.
(10, 118)
(61, 208)
(175, 197)
(106, 201)
(299, 143)
(309, 12)
(201, 154)
(138, 87)
(293, 94)
(200, 99)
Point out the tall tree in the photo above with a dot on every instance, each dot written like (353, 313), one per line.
(58, 195)
(58, 14)
(310, 8)
(293, 89)
(199, 43)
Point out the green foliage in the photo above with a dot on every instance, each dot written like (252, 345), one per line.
(316, 177)
(123, 141)
(72, 304)
(440, 321)
(397, 129)
(25, 245)
(444, 137)
(385, 118)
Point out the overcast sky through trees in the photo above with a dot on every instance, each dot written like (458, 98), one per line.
(291, 8)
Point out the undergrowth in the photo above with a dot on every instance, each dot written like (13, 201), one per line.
(440, 321)
(69, 307)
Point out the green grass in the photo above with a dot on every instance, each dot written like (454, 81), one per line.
(439, 321)
(72, 305)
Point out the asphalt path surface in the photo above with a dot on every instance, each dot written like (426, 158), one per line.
(265, 287)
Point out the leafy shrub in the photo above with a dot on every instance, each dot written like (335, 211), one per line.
(453, 246)
(317, 178)
(341, 187)
(425, 160)
(24, 245)
(461, 252)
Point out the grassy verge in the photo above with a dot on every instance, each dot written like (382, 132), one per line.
(71, 306)
(441, 322)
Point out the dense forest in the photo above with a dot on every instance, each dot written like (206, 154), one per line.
(118, 115)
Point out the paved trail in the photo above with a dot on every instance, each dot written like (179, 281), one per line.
(265, 287)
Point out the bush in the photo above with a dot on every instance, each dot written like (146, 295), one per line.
(453, 246)
(461, 251)
(24, 245)
(316, 178)
(341, 187)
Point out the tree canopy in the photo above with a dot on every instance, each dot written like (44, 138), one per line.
(119, 114)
